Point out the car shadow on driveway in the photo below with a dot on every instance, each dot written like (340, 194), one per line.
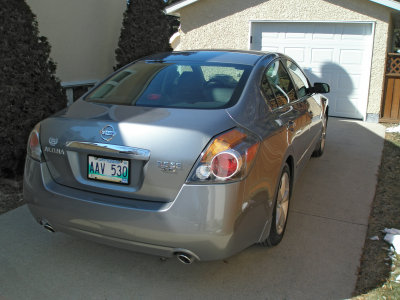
(317, 259)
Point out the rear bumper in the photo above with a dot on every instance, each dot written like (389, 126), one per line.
(209, 221)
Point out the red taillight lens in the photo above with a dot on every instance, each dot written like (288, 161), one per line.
(34, 150)
(229, 156)
(34, 140)
(225, 164)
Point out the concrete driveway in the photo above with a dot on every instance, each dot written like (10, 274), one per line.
(317, 259)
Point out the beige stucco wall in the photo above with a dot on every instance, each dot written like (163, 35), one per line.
(225, 24)
(83, 35)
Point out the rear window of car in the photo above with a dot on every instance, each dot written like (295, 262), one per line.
(175, 85)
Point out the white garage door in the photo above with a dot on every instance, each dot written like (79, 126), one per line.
(336, 53)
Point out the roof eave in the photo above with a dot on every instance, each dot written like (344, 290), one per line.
(388, 3)
(174, 8)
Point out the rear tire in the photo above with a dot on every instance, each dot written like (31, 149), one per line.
(281, 209)
(321, 144)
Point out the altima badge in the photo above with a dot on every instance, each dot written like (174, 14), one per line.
(54, 150)
(107, 133)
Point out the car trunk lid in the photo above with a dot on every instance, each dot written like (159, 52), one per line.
(160, 144)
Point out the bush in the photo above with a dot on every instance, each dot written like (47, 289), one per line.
(145, 30)
(173, 21)
(29, 90)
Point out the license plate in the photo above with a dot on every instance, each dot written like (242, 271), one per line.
(108, 169)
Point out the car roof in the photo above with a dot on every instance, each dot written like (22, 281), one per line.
(219, 56)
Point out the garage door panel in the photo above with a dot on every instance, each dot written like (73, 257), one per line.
(296, 33)
(347, 106)
(273, 35)
(338, 80)
(324, 32)
(351, 82)
(329, 78)
(356, 32)
(321, 43)
(336, 53)
(349, 69)
(321, 55)
(270, 49)
(298, 54)
(352, 57)
(343, 107)
(314, 76)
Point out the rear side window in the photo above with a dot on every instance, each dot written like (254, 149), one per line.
(277, 81)
(300, 80)
(178, 85)
(268, 92)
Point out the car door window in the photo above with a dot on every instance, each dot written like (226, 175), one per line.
(300, 80)
(268, 92)
(277, 81)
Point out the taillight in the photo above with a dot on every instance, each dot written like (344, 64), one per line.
(228, 157)
(226, 164)
(34, 150)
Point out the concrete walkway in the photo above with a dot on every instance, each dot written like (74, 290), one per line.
(317, 259)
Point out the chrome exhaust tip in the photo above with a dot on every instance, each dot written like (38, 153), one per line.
(184, 258)
(46, 225)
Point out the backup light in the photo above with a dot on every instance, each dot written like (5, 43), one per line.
(203, 172)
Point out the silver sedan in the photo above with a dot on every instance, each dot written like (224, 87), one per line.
(188, 154)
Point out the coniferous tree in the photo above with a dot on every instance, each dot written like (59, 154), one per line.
(172, 20)
(29, 90)
(145, 30)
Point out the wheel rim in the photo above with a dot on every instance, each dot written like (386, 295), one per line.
(282, 203)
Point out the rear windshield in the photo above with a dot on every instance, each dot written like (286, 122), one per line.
(179, 85)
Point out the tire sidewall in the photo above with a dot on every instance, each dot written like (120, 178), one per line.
(274, 238)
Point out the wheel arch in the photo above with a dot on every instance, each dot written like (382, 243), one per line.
(289, 160)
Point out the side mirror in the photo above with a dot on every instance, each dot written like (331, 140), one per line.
(321, 88)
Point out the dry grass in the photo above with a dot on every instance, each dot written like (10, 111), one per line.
(379, 266)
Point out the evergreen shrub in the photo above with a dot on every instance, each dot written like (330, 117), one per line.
(29, 90)
(145, 30)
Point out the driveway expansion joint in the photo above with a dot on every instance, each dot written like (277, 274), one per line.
(328, 218)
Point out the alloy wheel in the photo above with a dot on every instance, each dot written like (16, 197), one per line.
(282, 203)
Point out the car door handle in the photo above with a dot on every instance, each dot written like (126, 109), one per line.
(290, 125)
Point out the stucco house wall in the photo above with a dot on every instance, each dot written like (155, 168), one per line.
(226, 24)
(83, 35)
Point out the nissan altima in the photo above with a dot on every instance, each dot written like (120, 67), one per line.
(190, 154)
